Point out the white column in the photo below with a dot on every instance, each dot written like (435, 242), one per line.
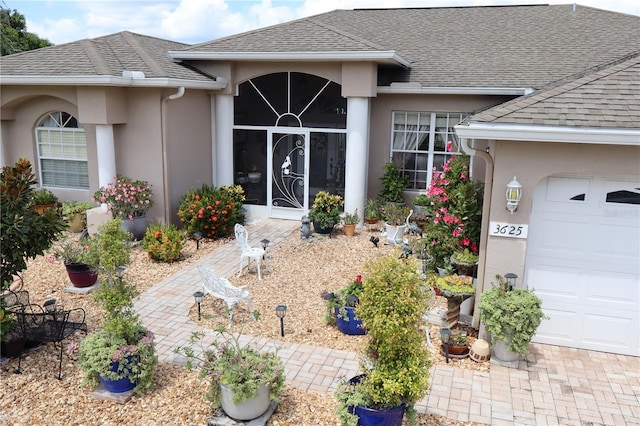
(106, 153)
(223, 172)
(357, 155)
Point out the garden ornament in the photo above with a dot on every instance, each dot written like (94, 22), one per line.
(305, 228)
(415, 229)
(374, 240)
(406, 250)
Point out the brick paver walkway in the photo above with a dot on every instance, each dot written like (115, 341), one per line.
(554, 386)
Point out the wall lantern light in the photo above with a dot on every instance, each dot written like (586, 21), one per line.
(514, 193)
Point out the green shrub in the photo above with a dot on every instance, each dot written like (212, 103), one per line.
(212, 211)
(164, 243)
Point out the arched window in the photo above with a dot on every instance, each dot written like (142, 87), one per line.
(62, 151)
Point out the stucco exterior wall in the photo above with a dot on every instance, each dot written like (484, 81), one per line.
(380, 132)
(188, 145)
(532, 162)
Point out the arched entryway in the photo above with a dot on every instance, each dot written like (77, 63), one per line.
(289, 141)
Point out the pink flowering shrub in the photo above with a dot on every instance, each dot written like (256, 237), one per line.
(126, 198)
(454, 212)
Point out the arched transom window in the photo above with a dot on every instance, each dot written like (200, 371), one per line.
(62, 151)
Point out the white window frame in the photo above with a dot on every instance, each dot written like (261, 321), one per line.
(61, 141)
(409, 139)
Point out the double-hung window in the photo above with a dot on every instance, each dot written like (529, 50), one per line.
(62, 151)
(422, 142)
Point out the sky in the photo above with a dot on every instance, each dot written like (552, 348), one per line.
(195, 21)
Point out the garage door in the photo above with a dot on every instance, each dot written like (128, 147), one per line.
(583, 261)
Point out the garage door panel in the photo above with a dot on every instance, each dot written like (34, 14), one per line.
(583, 261)
(617, 290)
(620, 242)
(556, 282)
(611, 331)
(564, 236)
(558, 329)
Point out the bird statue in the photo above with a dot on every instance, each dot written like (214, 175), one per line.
(374, 240)
(406, 250)
(415, 229)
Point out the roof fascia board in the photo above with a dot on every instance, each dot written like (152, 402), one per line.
(418, 90)
(108, 80)
(387, 56)
(515, 132)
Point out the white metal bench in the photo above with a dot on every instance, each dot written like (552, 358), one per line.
(222, 289)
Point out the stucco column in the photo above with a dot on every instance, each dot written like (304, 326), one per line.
(357, 154)
(223, 174)
(106, 153)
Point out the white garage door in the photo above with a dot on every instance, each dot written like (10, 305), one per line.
(583, 260)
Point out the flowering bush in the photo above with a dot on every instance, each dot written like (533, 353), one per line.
(212, 211)
(455, 211)
(164, 243)
(126, 198)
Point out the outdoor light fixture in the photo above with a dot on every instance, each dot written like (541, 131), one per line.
(281, 311)
(50, 305)
(197, 236)
(120, 272)
(511, 280)
(198, 295)
(514, 193)
(352, 300)
(445, 335)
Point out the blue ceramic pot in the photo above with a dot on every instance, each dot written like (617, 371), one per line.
(353, 326)
(117, 386)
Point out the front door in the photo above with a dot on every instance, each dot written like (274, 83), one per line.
(288, 189)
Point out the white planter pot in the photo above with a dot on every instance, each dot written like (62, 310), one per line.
(244, 410)
(503, 353)
(395, 234)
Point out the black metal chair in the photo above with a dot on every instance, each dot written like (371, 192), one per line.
(54, 325)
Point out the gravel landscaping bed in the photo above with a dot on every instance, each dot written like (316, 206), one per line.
(298, 273)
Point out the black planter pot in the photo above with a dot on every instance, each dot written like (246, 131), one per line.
(12, 348)
(322, 229)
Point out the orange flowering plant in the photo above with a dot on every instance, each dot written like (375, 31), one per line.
(164, 243)
(212, 211)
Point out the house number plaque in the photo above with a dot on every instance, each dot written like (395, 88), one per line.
(509, 230)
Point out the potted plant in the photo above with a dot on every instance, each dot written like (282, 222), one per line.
(80, 257)
(349, 222)
(511, 317)
(421, 202)
(121, 354)
(74, 212)
(128, 200)
(43, 199)
(465, 261)
(341, 308)
(325, 212)
(243, 380)
(371, 211)
(395, 361)
(25, 232)
(458, 344)
(395, 218)
(393, 184)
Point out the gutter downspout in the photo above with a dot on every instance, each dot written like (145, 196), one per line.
(484, 233)
(165, 163)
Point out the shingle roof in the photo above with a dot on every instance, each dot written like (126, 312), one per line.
(107, 55)
(495, 46)
(606, 96)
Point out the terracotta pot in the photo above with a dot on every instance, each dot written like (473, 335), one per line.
(349, 230)
(372, 220)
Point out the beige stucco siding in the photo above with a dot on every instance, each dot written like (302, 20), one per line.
(532, 162)
(380, 122)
